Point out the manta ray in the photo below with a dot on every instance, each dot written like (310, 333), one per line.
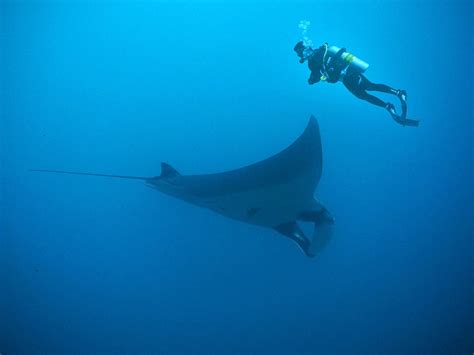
(275, 193)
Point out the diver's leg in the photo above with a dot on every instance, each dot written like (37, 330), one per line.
(372, 99)
(357, 86)
(380, 87)
(370, 86)
(401, 94)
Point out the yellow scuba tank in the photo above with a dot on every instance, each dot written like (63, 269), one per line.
(352, 61)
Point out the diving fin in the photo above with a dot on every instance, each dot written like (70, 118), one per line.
(410, 122)
(402, 119)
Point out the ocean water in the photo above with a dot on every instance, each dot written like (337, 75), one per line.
(92, 265)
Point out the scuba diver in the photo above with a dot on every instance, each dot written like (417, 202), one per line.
(333, 64)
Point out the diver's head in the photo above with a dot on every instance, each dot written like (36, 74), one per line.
(299, 49)
(302, 51)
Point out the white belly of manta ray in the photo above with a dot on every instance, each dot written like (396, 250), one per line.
(267, 207)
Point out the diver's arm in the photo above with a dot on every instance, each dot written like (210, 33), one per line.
(316, 64)
(313, 78)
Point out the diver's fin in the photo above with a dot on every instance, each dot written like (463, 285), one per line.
(167, 171)
(410, 122)
(92, 174)
(293, 231)
(402, 119)
(405, 121)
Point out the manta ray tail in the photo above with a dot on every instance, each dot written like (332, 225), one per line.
(167, 171)
(92, 174)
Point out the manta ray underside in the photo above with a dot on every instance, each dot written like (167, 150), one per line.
(275, 193)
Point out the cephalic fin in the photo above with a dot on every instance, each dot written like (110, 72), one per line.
(323, 227)
(321, 236)
(293, 231)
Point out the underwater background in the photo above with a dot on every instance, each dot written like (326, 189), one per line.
(101, 265)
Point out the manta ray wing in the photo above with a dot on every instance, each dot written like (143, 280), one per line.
(303, 157)
(274, 193)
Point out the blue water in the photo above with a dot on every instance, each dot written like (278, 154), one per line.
(96, 265)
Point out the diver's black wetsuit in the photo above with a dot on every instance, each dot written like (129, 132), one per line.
(358, 84)
(355, 82)
(315, 65)
(333, 68)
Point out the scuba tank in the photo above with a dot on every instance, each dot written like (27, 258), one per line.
(354, 63)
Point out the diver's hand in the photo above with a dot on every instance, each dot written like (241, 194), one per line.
(313, 79)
